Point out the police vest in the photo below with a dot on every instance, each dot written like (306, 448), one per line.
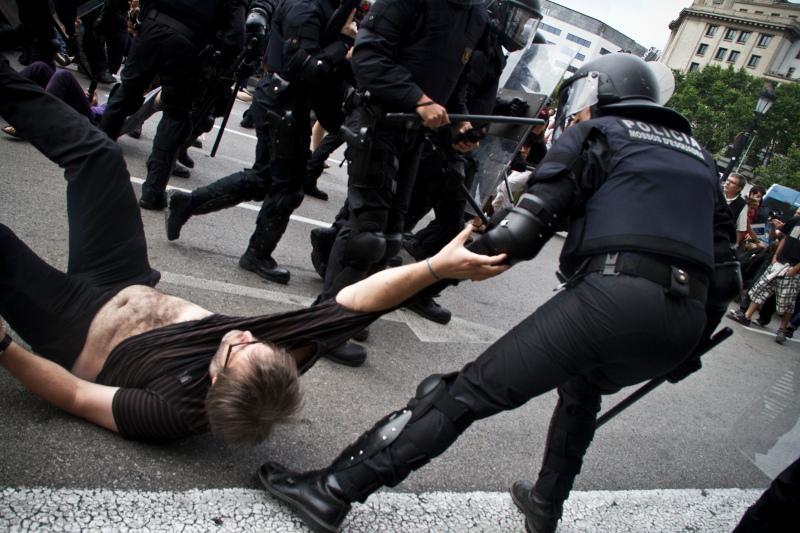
(657, 196)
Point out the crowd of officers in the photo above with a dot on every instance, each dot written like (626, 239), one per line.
(350, 63)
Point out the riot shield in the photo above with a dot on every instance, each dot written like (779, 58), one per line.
(531, 74)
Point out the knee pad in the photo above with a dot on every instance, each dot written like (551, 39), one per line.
(364, 249)
(287, 202)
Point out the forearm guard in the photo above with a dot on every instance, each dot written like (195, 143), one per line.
(521, 234)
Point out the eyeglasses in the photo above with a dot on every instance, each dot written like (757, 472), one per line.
(232, 346)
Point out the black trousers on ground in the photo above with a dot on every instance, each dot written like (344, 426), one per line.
(52, 310)
(159, 50)
(604, 333)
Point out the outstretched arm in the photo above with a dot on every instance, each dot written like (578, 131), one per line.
(57, 386)
(389, 288)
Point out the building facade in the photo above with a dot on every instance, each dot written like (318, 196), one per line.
(588, 36)
(760, 36)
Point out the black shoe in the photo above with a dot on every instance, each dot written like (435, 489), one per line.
(789, 332)
(267, 268)
(322, 240)
(314, 496)
(540, 517)
(106, 77)
(414, 249)
(247, 120)
(153, 202)
(347, 354)
(181, 172)
(197, 143)
(362, 335)
(314, 192)
(394, 261)
(185, 160)
(135, 133)
(178, 212)
(428, 308)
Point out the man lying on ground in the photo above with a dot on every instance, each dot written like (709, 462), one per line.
(142, 363)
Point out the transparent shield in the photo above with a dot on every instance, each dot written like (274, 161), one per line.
(531, 74)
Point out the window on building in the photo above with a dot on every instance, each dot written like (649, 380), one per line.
(743, 36)
(579, 40)
(711, 30)
(580, 57)
(730, 33)
(550, 29)
(694, 66)
(743, 9)
(720, 55)
(753, 62)
(790, 72)
(604, 52)
(775, 14)
(764, 40)
(572, 70)
(702, 49)
(759, 12)
(733, 56)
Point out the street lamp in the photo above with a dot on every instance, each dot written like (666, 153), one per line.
(764, 103)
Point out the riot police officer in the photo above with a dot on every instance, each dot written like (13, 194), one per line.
(409, 56)
(175, 34)
(649, 266)
(304, 56)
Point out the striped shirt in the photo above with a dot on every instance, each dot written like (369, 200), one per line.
(163, 373)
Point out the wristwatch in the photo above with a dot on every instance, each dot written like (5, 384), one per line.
(4, 343)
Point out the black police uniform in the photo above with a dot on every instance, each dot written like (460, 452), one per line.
(648, 222)
(404, 48)
(303, 56)
(173, 38)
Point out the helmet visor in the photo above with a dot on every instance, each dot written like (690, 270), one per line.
(519, 26)
(575, 97)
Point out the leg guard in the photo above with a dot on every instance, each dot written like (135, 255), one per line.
(403, 441)
(571, 431)
(229, 191)
(272, 221)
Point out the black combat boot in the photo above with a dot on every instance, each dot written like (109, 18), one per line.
(179, 211)
(258, 257)
(348, 354)
(185, 159)
(322, 240)
(430, 309)
(540, 516)
(315, 496)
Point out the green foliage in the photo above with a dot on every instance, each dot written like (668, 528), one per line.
(782, 169)
(779, 130)
(719, 103)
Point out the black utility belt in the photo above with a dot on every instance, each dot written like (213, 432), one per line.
(676, 280)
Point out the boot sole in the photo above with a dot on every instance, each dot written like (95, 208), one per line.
(311, 521)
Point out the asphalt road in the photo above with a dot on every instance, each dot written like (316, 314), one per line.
(732, 425)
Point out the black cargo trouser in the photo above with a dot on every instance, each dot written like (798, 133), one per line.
(52, 310)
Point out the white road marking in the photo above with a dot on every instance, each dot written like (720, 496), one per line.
(459, 330)
(241, 510)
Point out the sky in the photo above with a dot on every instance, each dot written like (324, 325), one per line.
(644, 21)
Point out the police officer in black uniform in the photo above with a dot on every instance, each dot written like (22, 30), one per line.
(304, 57)
(443, 170)
(650, 270)
(174, 36)
(409, 56)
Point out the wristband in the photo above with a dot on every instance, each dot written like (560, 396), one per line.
(434, 274)
(6, 341)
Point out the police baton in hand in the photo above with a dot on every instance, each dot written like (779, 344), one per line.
(476, 119)
(240, 84)
(704, 347)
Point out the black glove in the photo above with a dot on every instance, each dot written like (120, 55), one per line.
(688, 367)
(245, 70)
(518, 107)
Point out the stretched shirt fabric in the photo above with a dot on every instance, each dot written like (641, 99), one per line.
(163, 373)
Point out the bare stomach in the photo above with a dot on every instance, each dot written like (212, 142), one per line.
(134, 310)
